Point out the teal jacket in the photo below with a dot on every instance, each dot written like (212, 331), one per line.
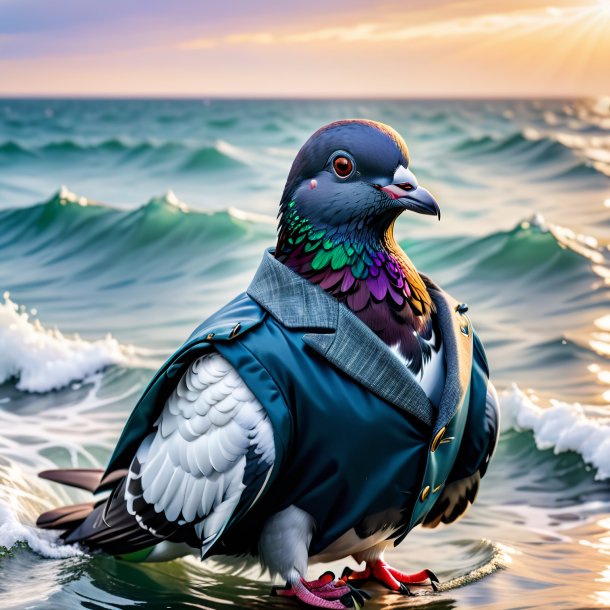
(358, 443)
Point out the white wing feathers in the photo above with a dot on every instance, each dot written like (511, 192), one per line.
(191, 467)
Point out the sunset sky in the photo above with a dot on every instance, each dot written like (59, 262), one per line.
(317, 48)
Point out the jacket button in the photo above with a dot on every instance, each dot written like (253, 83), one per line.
(424, 493)
(210, 336)
(461, 308)
(234, 330)
(437, 439)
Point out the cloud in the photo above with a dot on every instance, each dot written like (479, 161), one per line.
(374, 32)
(199, 43)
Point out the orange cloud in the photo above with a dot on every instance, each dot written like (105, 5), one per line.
(524, 21)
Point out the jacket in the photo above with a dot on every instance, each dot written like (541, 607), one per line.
(358, 443)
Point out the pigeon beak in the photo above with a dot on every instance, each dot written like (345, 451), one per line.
(410, 195)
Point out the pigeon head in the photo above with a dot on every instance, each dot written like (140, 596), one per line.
(352, 177)
(346, 187)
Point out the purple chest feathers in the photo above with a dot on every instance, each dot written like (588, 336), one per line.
(377, 281)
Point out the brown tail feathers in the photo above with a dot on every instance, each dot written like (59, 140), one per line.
(89, 479)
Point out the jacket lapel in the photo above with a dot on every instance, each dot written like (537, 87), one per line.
(456, 332)
(335, 333)
(359, 353)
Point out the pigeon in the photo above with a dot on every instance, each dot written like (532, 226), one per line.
(340, 401)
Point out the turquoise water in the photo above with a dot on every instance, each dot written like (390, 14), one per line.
(167, 209)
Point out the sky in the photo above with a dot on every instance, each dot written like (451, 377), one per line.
(318, 48)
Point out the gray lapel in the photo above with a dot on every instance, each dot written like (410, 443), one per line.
(352, 347)
(291, 299)
(360, 353)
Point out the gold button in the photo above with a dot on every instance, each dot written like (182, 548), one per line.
(437, 439)
(210, 336)
(424, 493)
(438, 488)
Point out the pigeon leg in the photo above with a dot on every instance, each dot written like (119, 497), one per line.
(283, 548)
(379, 571)
(326, 592)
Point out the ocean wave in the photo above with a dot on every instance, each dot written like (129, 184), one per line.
(11, 149)
(561, 427)
(475, 144)
(186, 156)
(219, 156)
(110, 144)
(64, 200)
(74, 146)
(43, 359)
(65, 211)
(71, 146)
(533, 247)
(223, 123)
(157, 256)
(586, 246)
(527, 145)
(570, 156)
(73, 232)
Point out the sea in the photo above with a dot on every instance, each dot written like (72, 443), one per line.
(124, 223)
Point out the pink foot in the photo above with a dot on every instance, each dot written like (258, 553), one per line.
(379, 571)
(326, 592)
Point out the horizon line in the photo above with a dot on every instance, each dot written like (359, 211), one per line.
(299, 98)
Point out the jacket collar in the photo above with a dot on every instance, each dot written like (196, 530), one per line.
(333, 331)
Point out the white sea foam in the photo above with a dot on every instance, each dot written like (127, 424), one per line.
(562, 427)
(43, 359)
(66, 196)
(22, 499)
(171, 199)
(234, 152)
(43, 542)
(255, 217)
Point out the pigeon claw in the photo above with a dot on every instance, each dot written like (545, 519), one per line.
(325, 592)
(379, 571)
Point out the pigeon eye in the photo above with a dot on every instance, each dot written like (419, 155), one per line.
(343, 166)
